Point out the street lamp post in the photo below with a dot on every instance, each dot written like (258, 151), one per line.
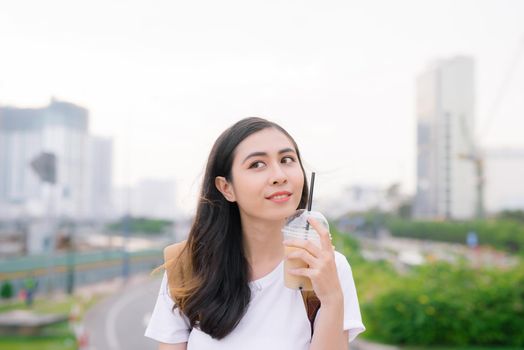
(44, 165)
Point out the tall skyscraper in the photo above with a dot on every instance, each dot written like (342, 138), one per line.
(61, 128)
(99, 182)
(152, 198)
(445, 124)
(504, 174)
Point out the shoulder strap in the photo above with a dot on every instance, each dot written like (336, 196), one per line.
(171, 253)
(312, 304)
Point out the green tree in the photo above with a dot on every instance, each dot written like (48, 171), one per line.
(6, 291)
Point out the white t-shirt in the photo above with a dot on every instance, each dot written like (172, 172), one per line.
(276, 318)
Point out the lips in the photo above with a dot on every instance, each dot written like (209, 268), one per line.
(278, 196)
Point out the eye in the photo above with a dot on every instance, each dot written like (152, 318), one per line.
(257, 164)
(288, 159)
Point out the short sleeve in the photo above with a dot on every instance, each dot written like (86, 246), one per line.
(167, 325)
(352, 317)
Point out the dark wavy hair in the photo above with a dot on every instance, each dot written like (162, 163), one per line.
(212, 273)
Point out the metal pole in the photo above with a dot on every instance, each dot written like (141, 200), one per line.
(480, 187)
(50, 237)
(125, 262)
(70, 282)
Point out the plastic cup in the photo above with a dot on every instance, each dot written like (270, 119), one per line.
(297, 227)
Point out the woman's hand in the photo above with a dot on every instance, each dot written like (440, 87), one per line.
(322, 269)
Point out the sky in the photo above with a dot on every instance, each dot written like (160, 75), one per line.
(165, 78)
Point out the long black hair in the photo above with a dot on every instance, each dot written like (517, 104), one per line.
(214, 293)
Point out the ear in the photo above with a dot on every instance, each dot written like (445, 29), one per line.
(225, 188)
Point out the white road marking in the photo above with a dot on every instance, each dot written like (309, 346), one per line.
(111, 320)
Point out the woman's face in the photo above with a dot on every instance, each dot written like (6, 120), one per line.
(267, 178)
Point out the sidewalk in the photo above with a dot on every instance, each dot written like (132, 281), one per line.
(104, 288)
(111, 286)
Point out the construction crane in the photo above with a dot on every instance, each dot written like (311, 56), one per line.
(474, 154)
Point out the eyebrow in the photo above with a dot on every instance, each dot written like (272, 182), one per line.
(264, 154)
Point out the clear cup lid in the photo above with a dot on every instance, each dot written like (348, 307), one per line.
(297, 226)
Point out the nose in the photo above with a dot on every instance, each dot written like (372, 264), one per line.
(278, 175)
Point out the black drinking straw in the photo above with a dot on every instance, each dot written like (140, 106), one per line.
(310, 199)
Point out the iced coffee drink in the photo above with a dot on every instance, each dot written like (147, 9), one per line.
(297, 227)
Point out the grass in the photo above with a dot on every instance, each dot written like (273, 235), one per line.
(60, 305)
(44, 343)
(459, 348)
(54, 337)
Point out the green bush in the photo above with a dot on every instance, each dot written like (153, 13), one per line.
(371, 278)
(140, 225)
(502, 234)
(515, 215)
(6, 291)
(450, 305)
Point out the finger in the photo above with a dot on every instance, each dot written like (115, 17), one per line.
(311, 247)
(325, 237)
(308, 272)
(303, 255)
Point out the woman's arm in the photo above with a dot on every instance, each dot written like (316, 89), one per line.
(329, 333)
(322, 271)
(179, 346)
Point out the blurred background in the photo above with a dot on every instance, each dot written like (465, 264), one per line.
(411, 113)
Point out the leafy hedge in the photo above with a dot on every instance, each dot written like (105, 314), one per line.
(437, 304)
(450, 305)
(503, 234)
(371, 278)
(140, 225)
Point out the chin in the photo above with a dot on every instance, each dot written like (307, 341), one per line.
(276, 215)
(284, 214)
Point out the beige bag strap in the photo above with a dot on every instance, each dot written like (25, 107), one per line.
(171, 253)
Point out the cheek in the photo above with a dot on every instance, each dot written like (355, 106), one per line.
(247, 191)
(298, 178)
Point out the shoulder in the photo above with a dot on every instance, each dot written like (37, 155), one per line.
(173, 250)
(343, 266)
(340, 258)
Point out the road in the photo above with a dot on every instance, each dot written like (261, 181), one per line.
(402, 252)
(119, 322)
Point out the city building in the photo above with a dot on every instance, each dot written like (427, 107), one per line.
(151, 198)
(83, 164)
(99, 192)
(504, 176)
(445, 122)
(361, 198)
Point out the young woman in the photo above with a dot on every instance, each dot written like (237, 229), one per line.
(233, 294)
